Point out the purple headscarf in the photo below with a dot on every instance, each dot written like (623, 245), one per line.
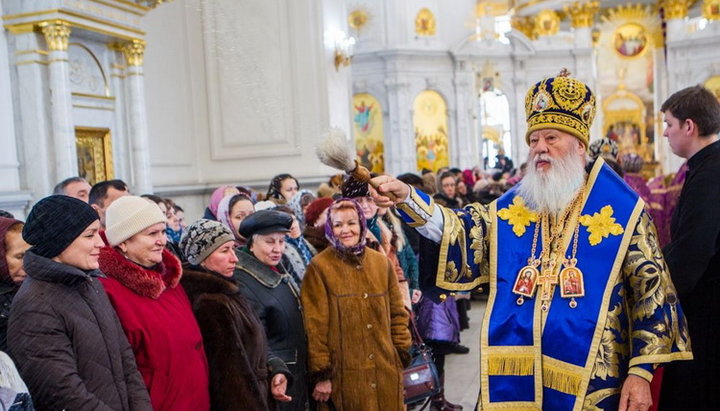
(223, 216)
(358, 248)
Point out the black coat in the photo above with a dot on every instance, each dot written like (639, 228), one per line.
(693, 257)
(276, 301)
(68, 344)
(7, 293)
(235, 343)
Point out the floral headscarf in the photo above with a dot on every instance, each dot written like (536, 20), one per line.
(275, 186)
(335, 242)
(295, 204)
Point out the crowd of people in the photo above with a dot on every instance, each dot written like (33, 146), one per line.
(297, 299)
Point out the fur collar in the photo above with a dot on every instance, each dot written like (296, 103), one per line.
(196, 280)
(148, 282)
(261, 272)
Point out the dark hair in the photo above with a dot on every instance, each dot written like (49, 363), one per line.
(276, 184)
(455, 171)
(446, 174)
(155, 199)
(237, 198)
(60, 187)
(411, 179)
(697, 104)
(6, 214)
(98, 192)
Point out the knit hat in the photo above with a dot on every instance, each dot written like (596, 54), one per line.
(353, 188)
(203, 237)
(317, 207)
(55, 222)
(128, 216)
(562, 103)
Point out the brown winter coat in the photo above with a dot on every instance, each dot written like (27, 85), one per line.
(235, 343)
(357, 329)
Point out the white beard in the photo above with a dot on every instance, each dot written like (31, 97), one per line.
(552, 190)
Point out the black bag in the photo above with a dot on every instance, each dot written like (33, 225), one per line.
(420, 379)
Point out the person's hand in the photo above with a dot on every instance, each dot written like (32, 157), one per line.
(388, 184)
(278, 387)
(416, 296)
(322, 391)
(635, 394)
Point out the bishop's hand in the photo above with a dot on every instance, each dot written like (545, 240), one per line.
(388, 184)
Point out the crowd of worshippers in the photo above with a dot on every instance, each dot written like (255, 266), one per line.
(128, 307)
(112, 301)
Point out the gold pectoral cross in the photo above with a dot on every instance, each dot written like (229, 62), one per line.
(546, 282)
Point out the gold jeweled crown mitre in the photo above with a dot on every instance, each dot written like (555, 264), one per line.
(562, 103)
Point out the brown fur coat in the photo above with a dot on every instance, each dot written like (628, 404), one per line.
(235, 342)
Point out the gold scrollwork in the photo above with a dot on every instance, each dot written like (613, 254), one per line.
(134, 52)
(675, 9)
(711, 9)
(57, 34)
(547, 23)
(525, 25)
(582, 14)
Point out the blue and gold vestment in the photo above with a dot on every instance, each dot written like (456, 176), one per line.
(565, 358)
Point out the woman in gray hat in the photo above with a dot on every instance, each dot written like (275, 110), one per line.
(63, 334)
(242, 376)
(274, 295)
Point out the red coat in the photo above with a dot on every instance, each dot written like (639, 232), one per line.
(157, 318)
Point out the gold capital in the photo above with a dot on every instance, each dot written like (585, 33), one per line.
(56, 34)
(134, 52)
(675, 9)
(547, 23)
(711, 9)
(582, 13)
(525, 25)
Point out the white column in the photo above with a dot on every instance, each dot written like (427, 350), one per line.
(400, 152)
(466, 152)
(134, 52)
(56, 35)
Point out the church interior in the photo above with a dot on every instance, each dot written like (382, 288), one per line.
(177, 97)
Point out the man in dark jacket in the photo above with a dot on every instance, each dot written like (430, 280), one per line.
(692, 117)
(64, 336)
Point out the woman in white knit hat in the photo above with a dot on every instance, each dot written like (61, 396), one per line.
(143, 283)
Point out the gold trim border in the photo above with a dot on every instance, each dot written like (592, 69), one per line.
(29, 26)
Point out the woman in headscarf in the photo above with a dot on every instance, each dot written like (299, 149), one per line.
(274, 295)
(12, 273)
(143, 283)
(63, 333)
(231, 211)
(297, 250)
(357, 326)
(215, 198)
(242, 376)
(282, 188)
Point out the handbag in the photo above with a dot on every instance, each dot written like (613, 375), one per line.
(421, 380)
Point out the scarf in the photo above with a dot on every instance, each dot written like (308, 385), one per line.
(335, 243)
(301, 246)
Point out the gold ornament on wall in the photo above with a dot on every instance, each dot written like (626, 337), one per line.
(57, 34)
(711, 9)
(134, 52)
(358, 18)
(525, 25)
(425, 24)
(582, 13)
(631, 40)
(547, 23)
(675, 9)
(713, 84)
